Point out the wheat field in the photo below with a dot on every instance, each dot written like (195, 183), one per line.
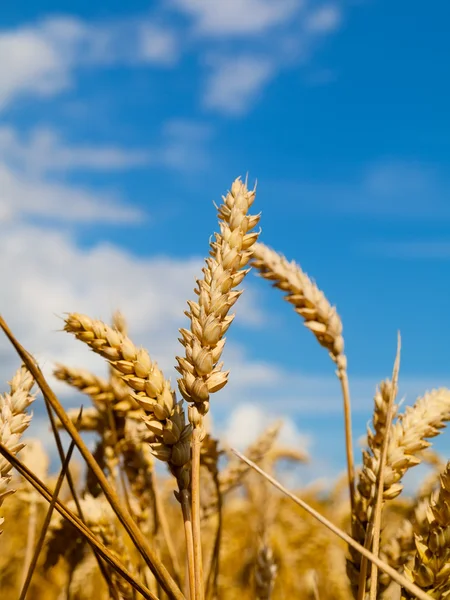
(213, 524)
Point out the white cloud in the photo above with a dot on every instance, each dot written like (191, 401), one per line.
(42, 57)
(237, 78)
(34, 65)
(237, 17)
(45, 57)
(23, 198)
(235, 83)
(45, 151)
(324, 19)
(27, 164)
(158, 45)
(247, 421)
(48, 275)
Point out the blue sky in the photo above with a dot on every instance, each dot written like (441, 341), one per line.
(120, 126)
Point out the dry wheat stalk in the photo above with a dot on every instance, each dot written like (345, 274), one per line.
(13, 422)
(397, 577)
(397, 549)
(235, 472)
(431, 569)
(91, 419)
(319, 316)
(265, 506)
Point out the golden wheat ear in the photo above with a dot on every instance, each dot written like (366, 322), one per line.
(200, 369)
(320, 317)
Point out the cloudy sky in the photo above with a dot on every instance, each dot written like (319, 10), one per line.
(119, 127)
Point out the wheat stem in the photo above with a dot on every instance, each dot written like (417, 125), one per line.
(196, 449)
(185, 500)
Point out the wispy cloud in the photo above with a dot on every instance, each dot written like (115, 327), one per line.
(235, 83)
(418, 249)
(386, 189)
(34, 168)
(45, 151)
(247, 421)
(237, 17)
(43, 57)
(324, 19)
(274, 37)
(24, 198)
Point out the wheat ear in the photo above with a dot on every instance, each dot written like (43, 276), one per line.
(431, 569)
(164, 416)
(201, 369)
(13, 422)
(407, 440)
(96, 387)
(320, 317)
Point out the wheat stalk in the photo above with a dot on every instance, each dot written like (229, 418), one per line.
(412, 588)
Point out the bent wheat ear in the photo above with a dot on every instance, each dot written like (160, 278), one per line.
(319, 316)
(164, 416)
(96, 387)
